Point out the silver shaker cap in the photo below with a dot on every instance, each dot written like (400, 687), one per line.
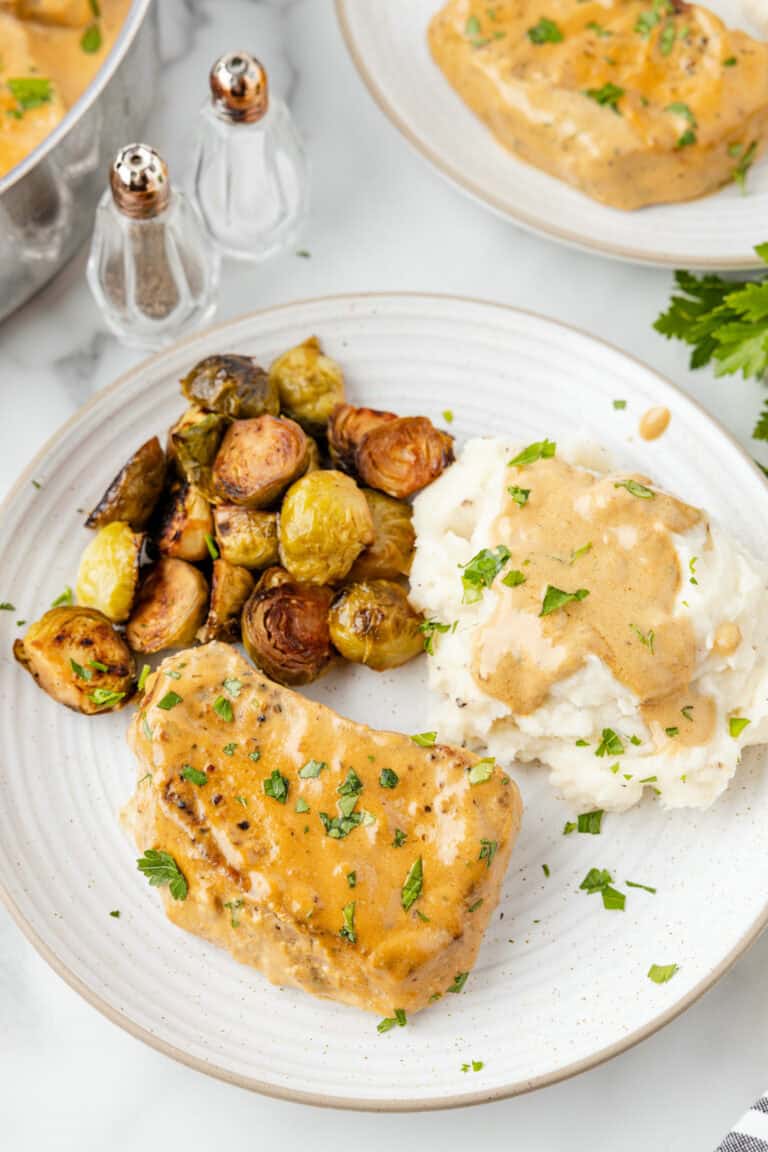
(239, 87)
(139, 182)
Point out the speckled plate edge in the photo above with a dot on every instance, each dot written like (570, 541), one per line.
(481, 195)
(320, 1100)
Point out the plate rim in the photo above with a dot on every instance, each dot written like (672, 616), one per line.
(324, 1100)
(480, 195)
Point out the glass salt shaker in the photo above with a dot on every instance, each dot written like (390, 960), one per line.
(152, 268)
(250, 174)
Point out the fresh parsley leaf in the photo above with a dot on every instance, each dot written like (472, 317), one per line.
(301, 805)
(672, 732)
(539, 450)
(276, 786)
(488, 849)
(513, 578)
(232, 686)
(66, 597)
(545, 870)
(229, 749)
(160, 869)
(194, 775)
(610, 744)
(338, 827)
(480, 572)
(595, 880)
(347, 931)
(399, 1020)
(459, 981)
(6, 606)
(613, 900)
(569, 826)
(30, 91)
(90, 41)
(352, 879)
(607, 97)
(115, 913)
(399, 838)
(412, 887)
(636, 489)
(662, 973)
(590, 822)
(312, 769)
(428, 628)
(388, 778)
(424, 739)
(736, 725)
(556, 598)
(351, 786)
(448, 416)
(545, 32)
(619, 405)
(598, 29)
(667, 38)
(519, 495)
(482, 771)
(223, 708)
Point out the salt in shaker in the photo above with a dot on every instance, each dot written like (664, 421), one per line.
(250, 173)
(152, 268)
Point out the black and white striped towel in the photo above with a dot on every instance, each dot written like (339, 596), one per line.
(750, 1133)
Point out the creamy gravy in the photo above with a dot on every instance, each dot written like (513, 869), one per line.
(58, 41)
(579, 531)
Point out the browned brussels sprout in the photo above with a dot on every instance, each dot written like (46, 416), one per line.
(391, 553)
(230, 588)
(132, 495)
(246, 536)
(186, 524)
(232, 385)
(285, 630)
(346, 427)
(325, 523)
(258, 459)
(193, 443)
(109, 571)
(309, 384)
(78, 657)
(372, 623)
(403, 456)
(271, 577)
(170, 607)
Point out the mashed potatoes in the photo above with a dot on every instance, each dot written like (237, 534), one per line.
(592, 724)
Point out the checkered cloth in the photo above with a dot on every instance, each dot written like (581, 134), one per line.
(750, 1134)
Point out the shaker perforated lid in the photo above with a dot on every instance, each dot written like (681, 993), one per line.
(139, 182)
(239, 87)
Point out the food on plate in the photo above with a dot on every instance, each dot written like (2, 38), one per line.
(231, 586)
(391, 553)
(232, 386)
(325, 523)
(79, 658)
(279, 841)
(171, 604)
(193, 443)
(186, 524)
(346, 427)
(258, 459)
(402, 456)
(51, 51)
(592, 622)
(109, 570)
(632, 102)
(309, 384)
(372, 623)
(134, 492)
(246, 536)
(285, 628)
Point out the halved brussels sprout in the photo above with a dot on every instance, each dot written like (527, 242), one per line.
(325, 523)
(232, 385)
(346, 427)
(170, 607)
(391, 553)
(246, 536)
(186, 524)
(372, 623)
(403, 456)
(285, 630)
(258, 459)
(193, 443)
(132, 495)
(230, 588)
(309, 384)
(79, 658)
(109, 571)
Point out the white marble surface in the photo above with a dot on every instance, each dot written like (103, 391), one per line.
(380, 219)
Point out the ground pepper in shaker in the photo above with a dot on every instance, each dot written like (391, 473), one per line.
(151, 266)
(250, 173)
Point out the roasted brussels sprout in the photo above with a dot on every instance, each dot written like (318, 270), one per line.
(271, 577)
(346, 427)
(186, 524)
(391, 553)
(372, 623)
(232, 385)
(325, 522)
(285, 630)
(193, 443)
(109, 571)
(258, 459)
(403, 456)
(309, 384)
(230, 588)
(246, 536)
(80, 659)
(170, 607)
(132, 495)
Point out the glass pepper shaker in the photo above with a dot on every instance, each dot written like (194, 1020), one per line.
(151, 268)
(250, 173)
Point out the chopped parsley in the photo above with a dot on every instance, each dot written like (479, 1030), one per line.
(599, 30)
(90, 41)
(741, 170)
(66, 597)
(636, 489)
(338, 827)
(477, 904)
(229, 749)
(607, 97)
(590, 822)
(600, 880)
(6, 606)
(352, 879)
(301, 805)
(79, 671)
(428, 628)
(539, 450)
(556, 598)
(646, 638)
(459, 981)
(662, 973)
(678, 108)
(475, 1066)
(312, 769)
(105, 697)
(276, 786)
(399, 1020)
(645, 887)
(610, 744)
(232, 686)
(545, 870)
(160, 869)
(519, 495)
(513, 578)
(400, 838)
(672, 732)
(116, 913)
(210, 544)
(388, 778)
(194, 775)
(347, 931)
(29, 92)
(619, 405)
(482, 771)
(234, 907)
(736, 725)
(488, 849)
(667, 38)
(545, 32)
(412, 887)
(352, 785)
(170, 700)
(424, 739)
(448, 416)
(223, 708)
(145, 671)
(730, 62)
(480, 572)
(687, 712)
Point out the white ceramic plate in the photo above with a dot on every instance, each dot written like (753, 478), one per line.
(560, 983)
(388, 44)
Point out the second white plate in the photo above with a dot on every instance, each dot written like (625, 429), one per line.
(388, 42)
